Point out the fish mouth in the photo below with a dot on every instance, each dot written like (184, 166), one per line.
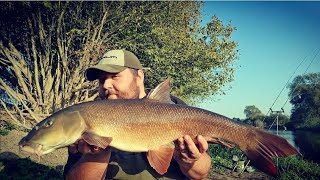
(32, 148)
(35, 148)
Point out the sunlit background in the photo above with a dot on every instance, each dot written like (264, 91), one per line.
(273, 38)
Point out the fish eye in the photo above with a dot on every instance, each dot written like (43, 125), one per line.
(48, 123)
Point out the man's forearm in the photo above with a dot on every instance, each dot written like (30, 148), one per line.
(197, 170)
(90, 166)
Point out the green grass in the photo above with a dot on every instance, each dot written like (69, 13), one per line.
(222, 157)
(6, 127)
(290, 168)
(296, 167)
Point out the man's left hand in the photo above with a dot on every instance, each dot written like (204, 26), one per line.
(188, 151)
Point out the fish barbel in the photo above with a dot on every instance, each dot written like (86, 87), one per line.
(149, 125)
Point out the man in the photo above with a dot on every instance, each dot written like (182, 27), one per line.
(120, 76)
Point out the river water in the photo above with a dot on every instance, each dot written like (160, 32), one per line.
(307, 142)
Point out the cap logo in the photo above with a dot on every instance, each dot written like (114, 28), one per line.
(111, 57)
(114, 57)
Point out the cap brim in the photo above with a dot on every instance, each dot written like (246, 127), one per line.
(92, 73)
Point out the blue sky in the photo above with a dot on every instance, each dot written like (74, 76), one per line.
(273, 38)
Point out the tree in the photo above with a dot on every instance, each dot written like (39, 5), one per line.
(271, 120)
(253, 113)
(258, 123)
(304, 95)
(45, 48)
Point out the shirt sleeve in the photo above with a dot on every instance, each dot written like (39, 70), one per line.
(177, 100)
(72, 159)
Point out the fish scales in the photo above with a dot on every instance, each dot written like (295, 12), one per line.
(150, 119)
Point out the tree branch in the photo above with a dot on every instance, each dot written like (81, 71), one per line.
(35, 63)
(14, 120)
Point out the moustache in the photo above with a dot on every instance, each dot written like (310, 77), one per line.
(109, 92)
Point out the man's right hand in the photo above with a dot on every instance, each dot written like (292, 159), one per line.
(84, 148)
(92, 164)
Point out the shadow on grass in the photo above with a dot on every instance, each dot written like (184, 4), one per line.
(13, 167)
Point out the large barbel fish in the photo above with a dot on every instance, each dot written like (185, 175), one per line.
(149, 125)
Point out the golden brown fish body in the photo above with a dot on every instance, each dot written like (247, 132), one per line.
(148, 125)
(132, 123)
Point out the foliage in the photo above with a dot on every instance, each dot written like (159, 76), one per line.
(45, 48)
(271, 120)
(222, 156)
(253, 114)
(258, 123)
(256, 118)
(309, 144)
(5, 127)
(304, 94)
(25, 169)
(295, 167)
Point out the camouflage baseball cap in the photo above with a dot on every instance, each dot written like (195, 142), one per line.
(114, 61)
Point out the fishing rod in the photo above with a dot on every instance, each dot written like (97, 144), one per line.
(294, 72)
(282, 111)
(305, 72)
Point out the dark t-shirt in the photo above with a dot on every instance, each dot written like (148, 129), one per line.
(128, 165)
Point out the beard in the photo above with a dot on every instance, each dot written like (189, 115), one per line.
(132, 93)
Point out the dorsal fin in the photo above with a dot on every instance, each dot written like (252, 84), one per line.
(162, 92)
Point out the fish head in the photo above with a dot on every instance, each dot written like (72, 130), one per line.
(57, 131)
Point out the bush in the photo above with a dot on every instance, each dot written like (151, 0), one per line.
(5, 127)
(295, 167)
(221, 157)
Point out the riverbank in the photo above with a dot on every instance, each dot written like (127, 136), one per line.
(306, 141)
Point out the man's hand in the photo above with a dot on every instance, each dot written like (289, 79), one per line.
(192, 156)
(188, 151)
(92, 164)
(84, 148)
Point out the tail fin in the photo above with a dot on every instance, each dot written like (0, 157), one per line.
(263, 146)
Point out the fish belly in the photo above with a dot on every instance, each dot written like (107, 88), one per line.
(143, 136)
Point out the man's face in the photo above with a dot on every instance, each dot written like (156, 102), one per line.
(121, 85)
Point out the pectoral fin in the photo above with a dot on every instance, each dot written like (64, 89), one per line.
(96, 140)
(160, 159)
